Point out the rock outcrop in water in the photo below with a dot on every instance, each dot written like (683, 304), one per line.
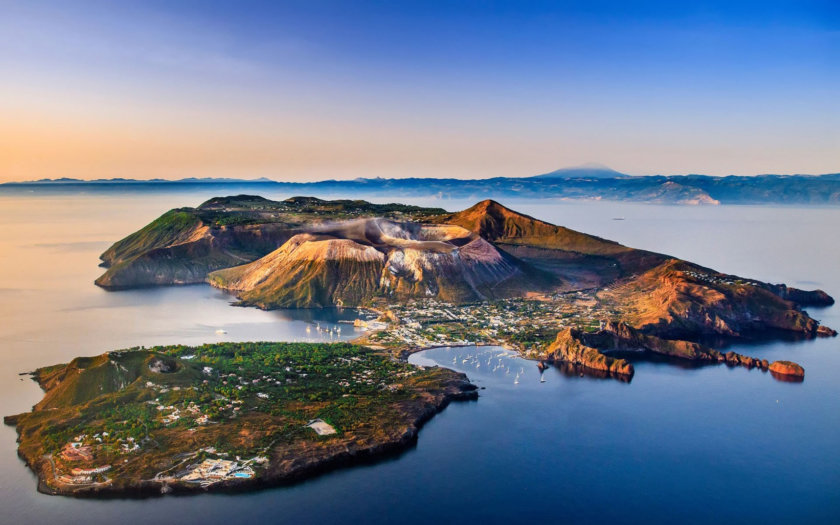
(592, 350)
(787, 368)
(571, 347)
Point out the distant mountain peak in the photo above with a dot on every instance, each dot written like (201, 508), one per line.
(592, 166)
(590, 170)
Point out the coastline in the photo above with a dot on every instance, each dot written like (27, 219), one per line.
(287, 465)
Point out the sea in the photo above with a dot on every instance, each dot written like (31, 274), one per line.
(677, 444)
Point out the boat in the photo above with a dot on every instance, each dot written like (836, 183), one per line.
(516, 380)
(221, 332)
(542, 378)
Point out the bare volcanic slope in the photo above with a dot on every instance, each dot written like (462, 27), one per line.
(351, 262)
(577, 259)
(183, 245)
(499, 224)
(678, 299)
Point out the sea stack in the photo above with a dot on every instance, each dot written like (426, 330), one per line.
(789, 369)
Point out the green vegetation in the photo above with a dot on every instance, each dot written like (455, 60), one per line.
(171, 227)
(249, 209)
(140, 412)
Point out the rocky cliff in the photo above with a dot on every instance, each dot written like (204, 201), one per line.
(570, 347)
(592, 350)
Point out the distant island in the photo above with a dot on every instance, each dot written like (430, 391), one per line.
(241, 415)
(578, 183)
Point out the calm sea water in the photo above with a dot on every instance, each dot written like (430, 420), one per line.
(674, 445)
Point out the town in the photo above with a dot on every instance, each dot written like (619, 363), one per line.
(525, 325)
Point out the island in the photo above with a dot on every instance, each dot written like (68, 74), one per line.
(570, 297)
(239, 415)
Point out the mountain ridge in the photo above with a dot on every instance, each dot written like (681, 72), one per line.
(657, 189)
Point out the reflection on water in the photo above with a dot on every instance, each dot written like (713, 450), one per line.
(787, 378)
(573, 370)
(501, 368)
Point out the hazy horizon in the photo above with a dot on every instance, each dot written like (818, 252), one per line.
(269, 178)
(308, 91)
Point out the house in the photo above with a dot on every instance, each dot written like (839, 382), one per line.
(321, 427)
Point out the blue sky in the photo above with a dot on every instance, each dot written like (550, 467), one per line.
(310, 90)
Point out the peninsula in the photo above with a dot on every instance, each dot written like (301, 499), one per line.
(227, 416)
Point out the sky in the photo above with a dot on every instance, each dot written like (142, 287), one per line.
(470, 89)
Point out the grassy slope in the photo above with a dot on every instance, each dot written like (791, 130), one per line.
(173, 227)
(110, 392)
